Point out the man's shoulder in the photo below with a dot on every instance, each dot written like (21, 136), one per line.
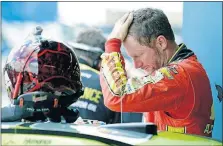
(90, 77)
(192, 60)
(179, 68)
(190, 65)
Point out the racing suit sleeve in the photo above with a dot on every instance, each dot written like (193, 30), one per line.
(163, 90)
(12, 113)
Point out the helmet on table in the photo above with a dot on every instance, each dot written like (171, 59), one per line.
(42, 74)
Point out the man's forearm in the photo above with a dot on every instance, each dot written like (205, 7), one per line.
(113, 45)
(113, 67)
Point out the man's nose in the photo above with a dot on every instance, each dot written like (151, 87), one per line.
(137, 64)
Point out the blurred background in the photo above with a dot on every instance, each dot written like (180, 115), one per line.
(198, 24)
(63, 20)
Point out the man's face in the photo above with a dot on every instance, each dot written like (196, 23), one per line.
(143, 57)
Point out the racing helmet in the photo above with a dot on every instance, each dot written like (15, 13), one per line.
(42, 74)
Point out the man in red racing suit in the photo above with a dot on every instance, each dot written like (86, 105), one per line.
(175, 96)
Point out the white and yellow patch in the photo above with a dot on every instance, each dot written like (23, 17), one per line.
(167, 71)
(113, 71)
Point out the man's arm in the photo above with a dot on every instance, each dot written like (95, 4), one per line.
(163, 90)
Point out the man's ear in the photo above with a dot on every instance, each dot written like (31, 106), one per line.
(161, 42)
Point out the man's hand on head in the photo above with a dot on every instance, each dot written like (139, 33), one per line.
(121, 27)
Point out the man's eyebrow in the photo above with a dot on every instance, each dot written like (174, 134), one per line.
(135, 56)
(139, 53)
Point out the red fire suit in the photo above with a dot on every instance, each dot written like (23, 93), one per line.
(176, 97)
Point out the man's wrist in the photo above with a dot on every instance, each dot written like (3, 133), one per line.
(113, 45)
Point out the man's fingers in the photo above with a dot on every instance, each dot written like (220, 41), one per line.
(129, 19)
(121, 27)
(123, 19)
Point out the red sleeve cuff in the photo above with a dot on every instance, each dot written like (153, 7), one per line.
(113, 45)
